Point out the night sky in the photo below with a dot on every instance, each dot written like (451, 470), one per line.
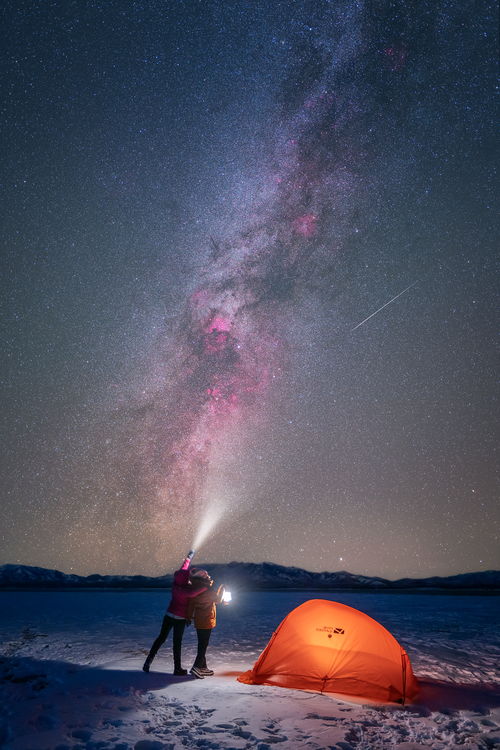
(201, 200)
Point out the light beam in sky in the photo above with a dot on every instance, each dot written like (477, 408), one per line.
(381, 308)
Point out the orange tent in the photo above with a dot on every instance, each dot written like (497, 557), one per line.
(327, 646)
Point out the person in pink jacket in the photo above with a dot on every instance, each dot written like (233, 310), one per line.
(176, 615)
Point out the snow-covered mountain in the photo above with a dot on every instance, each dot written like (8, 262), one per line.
(245, 575)
(270, 575)
(481, 579)
(29, 576)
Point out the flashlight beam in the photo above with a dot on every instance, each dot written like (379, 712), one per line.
(387, 303)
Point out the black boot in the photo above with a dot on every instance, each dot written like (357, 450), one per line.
(147, 664)
(180, 672)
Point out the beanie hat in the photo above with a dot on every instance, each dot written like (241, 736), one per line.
(199, 573)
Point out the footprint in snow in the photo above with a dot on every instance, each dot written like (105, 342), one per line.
(274, 739)
(115, 722)
(243, 733)
(81, 734)
(178, 711)
(150, 745)
(213, 730)
(270, 729)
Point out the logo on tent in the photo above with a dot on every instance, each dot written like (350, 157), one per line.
(330, 630)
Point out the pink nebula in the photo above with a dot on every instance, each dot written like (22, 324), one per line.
(305, 225)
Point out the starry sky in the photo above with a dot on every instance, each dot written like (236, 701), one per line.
(202, 200)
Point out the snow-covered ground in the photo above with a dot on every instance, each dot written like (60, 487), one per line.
(70, 670)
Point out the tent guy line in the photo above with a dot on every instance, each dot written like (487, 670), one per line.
(387, 303)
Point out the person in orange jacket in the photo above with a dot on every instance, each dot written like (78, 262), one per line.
(202, 609)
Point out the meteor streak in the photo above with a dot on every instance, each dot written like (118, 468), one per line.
(387, 303)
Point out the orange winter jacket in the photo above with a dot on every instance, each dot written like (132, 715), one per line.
(203, 607)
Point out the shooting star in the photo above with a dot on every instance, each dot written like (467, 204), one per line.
(387, 303)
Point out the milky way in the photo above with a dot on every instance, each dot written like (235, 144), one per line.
(230, 340)
(340, 94)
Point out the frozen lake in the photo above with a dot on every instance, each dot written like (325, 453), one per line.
(442, 633)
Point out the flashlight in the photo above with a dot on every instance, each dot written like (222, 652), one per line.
(190, 554)
(226, 597)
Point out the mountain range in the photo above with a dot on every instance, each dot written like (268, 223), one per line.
(252, 576)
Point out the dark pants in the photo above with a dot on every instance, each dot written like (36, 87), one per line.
(167, 625)
(203, 639)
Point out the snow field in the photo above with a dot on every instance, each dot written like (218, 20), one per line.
(70, 670)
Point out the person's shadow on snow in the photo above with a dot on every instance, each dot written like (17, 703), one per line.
(18, 670)
(57, 696)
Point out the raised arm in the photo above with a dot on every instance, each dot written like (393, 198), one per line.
(187, 562)
(181, 576)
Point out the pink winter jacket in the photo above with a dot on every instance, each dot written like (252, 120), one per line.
(182, 591)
